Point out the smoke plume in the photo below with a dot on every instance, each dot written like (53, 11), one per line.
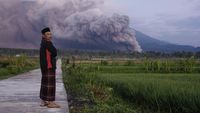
(83, 21)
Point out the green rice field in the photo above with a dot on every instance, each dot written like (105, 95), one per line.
(141, 86)
(12, 65)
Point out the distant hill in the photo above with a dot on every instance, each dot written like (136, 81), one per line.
(148, 43)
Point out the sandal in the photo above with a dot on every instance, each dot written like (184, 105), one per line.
(53, 105)
(44, 103)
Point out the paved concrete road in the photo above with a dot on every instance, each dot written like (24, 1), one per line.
(20, 94)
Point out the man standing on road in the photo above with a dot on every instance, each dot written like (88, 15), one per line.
(48, 55)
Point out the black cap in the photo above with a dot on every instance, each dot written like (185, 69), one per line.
(47, 29)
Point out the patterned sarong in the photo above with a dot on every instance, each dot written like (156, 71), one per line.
(48, 85)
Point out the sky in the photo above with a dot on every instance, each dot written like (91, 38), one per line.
(175, 21)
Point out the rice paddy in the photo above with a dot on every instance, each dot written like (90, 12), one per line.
(139, 86)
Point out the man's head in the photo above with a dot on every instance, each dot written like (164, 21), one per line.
(46, 33)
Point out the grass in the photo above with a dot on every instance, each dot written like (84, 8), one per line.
(129, 88)
(175, 93)
(87, 95)
(10, 65)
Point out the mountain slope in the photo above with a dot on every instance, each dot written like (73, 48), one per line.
(148, 43)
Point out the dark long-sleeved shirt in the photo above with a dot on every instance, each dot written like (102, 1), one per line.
(44, 58)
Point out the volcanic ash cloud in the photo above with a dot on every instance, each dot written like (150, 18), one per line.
(80, 20)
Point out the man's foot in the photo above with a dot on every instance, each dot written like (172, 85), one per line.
(44, 103)
(53, 105)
